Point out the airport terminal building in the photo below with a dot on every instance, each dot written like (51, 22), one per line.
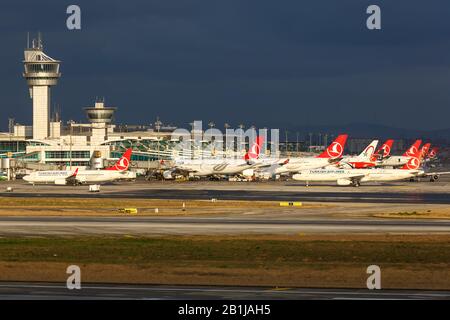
(49, 143)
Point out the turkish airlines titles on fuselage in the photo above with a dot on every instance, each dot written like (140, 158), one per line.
(117, 172)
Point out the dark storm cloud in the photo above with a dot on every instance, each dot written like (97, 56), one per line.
(298, 62)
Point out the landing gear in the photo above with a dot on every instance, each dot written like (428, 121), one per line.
(356, 183)
(434, 178)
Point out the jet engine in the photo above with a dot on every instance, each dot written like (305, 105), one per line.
(248, 173)
(61, 182)
(168, 175)
(343, 182)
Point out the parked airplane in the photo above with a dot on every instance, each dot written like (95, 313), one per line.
(118, 171)
(211, 167)
(345, 177)
(428, 155)
(332, 154)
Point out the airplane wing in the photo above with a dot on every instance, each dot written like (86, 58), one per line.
(263, 165)
(255, 165)
(335, 160)
(343, 165)
(274, 164)
(354, 179)
(430, 174)
(183, 171)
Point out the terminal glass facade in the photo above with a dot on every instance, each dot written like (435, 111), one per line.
(66, 164)
(12, 146)
(67, 154)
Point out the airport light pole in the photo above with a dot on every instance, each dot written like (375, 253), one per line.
(70, 147)
(310, 141)
(61, 161)
(159, 156)
(11, 131)
(158, 124)
(286, 142)
(242, 127)
(211, 125)
(225, 138)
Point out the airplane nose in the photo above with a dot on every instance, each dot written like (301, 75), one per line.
(26, 178)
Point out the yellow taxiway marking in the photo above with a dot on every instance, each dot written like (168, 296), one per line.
(280, 289)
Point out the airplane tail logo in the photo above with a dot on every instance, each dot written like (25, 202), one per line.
(413, 150)
(123, 163)
(335, 149)
(369, 150)
(255, 150)
(424, 150)
(386, 148)
(412, 164)
(414, 161)
(433, 153)
(384, 151)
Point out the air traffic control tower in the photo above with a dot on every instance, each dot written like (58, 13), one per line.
(41, 72)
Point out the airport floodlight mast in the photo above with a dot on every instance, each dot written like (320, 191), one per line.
(41, 72)
(158, 124)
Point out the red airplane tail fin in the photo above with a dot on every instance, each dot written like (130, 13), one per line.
(123, 163)
(335, 149)
(433, 153)
(413, 149)
(385, 149)
(424, 150)
(255, 149)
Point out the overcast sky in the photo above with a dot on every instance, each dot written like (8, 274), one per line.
(251, 61)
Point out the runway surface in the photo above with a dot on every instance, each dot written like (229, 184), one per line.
(400, 193)
(24, 290)
(360, 197)
(30, 226)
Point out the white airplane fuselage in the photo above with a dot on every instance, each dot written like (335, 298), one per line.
(213, 167)
(393, 161)
(85, 176)
(362, 175)
(299, 164)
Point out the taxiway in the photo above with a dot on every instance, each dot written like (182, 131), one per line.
(57, 291)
